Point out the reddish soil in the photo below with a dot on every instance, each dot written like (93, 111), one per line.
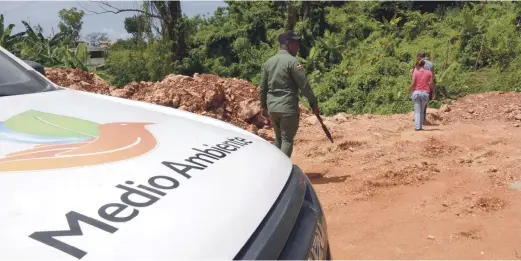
(388, 191)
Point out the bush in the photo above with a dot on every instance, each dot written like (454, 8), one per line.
(142, 63)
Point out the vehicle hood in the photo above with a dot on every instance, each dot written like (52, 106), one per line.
(93, 177)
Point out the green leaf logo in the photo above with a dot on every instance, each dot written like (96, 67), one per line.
(51, 125)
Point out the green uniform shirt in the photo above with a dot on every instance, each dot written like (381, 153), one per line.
(280, 83)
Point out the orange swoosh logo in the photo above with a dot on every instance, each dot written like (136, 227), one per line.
(116, 141)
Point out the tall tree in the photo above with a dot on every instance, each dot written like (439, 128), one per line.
(292, 15)
(71, 23)
(96, 37)
(138, 26)
(167, 12)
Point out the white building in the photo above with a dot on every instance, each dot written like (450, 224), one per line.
(98, 52)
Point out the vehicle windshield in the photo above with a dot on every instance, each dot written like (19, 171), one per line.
(17, 80)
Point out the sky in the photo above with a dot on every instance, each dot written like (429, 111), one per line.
(45, 13)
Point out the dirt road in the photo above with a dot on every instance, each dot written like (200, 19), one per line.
(448, 192)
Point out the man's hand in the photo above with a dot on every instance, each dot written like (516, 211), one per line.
(316, 111)
(433, 96)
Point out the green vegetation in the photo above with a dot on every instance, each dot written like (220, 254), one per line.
(48, 51)
(357, 55)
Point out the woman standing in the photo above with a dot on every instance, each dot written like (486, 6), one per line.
(416, 67)
(420, 89)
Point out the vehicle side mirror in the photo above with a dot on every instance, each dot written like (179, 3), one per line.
(38, 67)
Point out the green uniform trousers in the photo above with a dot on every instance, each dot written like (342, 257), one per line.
(285, 126)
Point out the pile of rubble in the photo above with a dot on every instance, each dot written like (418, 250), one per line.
(228, 99)
(78, 79)
(491, 106)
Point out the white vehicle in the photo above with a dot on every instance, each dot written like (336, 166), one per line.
(92, 177)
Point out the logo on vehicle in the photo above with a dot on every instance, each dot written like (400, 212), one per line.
(65, 142)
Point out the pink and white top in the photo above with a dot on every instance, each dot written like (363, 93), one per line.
(422, 78)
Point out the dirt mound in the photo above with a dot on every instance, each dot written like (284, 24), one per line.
(491, 203)
(471, 204)
(78, 79)
(504, 106)
(228, 99)
(434, 148)
(407, 175)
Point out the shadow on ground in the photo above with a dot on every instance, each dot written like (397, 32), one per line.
(430, 129)
(317, 178)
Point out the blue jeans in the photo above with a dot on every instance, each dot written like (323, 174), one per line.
(420, 99)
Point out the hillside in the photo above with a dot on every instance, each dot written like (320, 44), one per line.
(448, 192)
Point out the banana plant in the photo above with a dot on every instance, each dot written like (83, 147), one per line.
(78, 59)
(7, 40)
(47, 51)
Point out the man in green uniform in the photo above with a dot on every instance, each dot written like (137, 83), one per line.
(281, 80)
